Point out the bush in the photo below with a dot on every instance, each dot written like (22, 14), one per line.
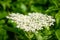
(49, 7)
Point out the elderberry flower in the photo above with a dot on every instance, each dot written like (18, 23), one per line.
(32, 22)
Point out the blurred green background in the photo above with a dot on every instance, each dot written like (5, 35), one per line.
(50, 7)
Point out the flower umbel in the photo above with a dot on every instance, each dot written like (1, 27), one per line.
(32, 21)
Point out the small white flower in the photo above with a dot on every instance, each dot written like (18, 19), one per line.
(32, 21)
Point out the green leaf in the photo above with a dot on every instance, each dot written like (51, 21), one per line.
(57, 16)
(41, 1)
(37, 9)
(2, 21)
(3, 34)
(23, 7)
(55, 2)
(10, 29)
(57, 32)
(5, 3)
(3, 14)
(51, 9)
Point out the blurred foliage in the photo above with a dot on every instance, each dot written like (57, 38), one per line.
(7, 28)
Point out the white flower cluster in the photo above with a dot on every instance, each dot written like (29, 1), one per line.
(32, 21)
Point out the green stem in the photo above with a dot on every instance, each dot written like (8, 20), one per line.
(38, 36)
(16, 37)
(29, 38)
(28, 35)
